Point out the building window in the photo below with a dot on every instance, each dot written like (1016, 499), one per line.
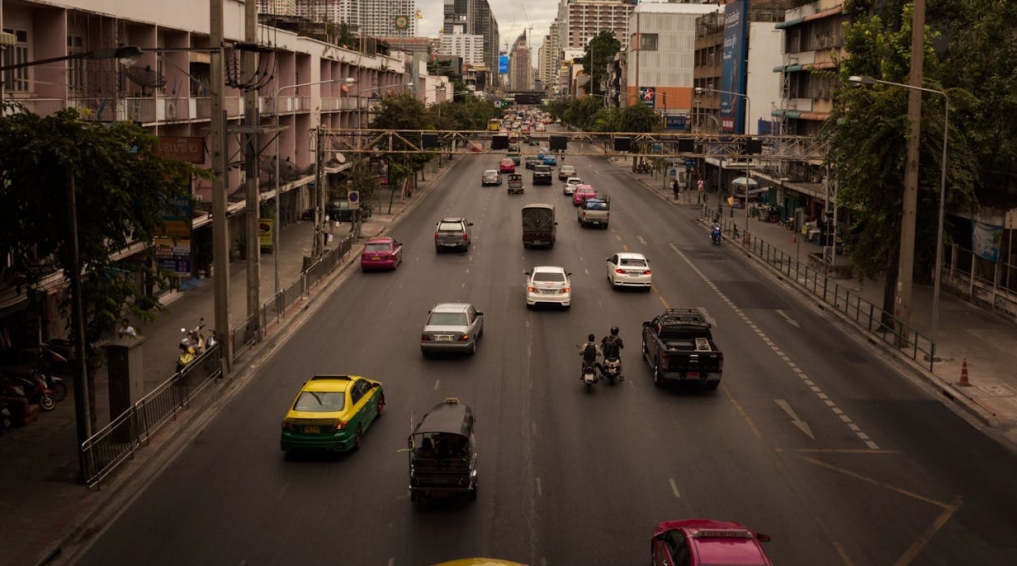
(75, 67)
(647, 42)
(16, 80)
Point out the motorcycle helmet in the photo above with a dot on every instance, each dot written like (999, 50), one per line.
(614, 331)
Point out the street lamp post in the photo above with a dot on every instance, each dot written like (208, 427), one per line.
(937, 277)
(748, 161)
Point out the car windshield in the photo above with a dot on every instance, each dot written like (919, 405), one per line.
(632, 262)
(543, 169)
(320, 401)
(340, 204)
(447, 319)
(549, 277)
(575, 181)
(377, 247)
(450, 227)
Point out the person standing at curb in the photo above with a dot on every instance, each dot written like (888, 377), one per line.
(675, 189)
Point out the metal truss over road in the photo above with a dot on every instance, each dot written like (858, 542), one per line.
(640, 144)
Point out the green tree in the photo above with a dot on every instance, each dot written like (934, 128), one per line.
(867, 133)
(602, 48)
(122, 189)
(402, 112)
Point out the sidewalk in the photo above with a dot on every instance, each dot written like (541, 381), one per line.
(43, 505)
(966, 332)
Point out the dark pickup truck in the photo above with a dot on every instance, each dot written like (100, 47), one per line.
(679, 347)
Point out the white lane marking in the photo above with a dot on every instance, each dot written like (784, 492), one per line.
(706, 315)
(789, 320)
(468, 269)
(641, 240)
(674, 488)
(436, 382)
(795, 420)
(805, 379)
(283, 491)
(540, 492)
(391, 562)
(464, 284)
(587, 271)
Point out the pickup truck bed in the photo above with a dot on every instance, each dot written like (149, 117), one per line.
(679, 347)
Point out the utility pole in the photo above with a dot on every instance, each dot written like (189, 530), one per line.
(220, 228)
(252, 169)
(318, 244)
(906, 264)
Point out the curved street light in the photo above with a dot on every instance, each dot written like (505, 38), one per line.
(858, 81)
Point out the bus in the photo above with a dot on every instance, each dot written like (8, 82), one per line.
(494, 125)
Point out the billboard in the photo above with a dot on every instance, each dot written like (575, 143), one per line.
(648, 96)
(503, 64)
(736, 32)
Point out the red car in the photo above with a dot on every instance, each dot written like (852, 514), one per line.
(381, 253)
(582, 193)
(692, 542)
(507, 166)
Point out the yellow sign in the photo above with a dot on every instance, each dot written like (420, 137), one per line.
(265, 233)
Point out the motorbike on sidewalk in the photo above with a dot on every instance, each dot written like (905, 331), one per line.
(31, 387)
(194, 344)
(611, 369)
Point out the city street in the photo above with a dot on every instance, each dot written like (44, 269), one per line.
(811, 437)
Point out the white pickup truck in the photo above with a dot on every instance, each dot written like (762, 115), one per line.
(594, 212)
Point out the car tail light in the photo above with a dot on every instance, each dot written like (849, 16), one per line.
(464, 338)
(339, 425)
(620, 271)
(647, 272)
(531, 289)
(564, 290)
(465, 236)
(435, 235)
(287, 424)
(425, 338)
(665, 364)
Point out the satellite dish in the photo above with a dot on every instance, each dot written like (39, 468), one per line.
(340, 157)
(145, 77)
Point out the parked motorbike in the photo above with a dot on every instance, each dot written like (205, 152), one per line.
(56, 357)
(194, 344)
(31, 387)
(45, 367)
(5, 416)
(715, 235)
(611, 369)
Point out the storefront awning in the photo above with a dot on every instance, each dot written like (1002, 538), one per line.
(789, 23)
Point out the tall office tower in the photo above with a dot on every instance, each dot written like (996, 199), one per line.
(466, 45)
(338, 11)
(474, 17)
(520, 64)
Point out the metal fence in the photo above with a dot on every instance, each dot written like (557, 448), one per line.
(117, 442)
(813, 278)
(981, 281)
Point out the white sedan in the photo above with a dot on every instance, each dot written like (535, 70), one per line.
(629, 270)
(550, 285)
(570, 185)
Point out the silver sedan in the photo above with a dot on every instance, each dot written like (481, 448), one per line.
(452, 327)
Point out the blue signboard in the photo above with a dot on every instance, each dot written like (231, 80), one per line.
(736, 30)
(675, 122)
(503, 64)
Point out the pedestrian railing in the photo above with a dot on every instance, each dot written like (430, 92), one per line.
(117, 442)
(875, 321)
(991, 284)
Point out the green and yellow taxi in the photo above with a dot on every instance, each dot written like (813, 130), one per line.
(332, 412)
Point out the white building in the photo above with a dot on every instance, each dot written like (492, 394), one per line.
(469, 47)
(387, 18)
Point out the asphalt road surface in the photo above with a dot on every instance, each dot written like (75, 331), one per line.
(810, 438)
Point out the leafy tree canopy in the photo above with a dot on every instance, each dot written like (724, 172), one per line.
(601, 49)
(122, 190)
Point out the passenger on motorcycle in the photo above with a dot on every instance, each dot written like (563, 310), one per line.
(612, 345)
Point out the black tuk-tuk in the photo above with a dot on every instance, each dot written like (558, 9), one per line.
(443, 455)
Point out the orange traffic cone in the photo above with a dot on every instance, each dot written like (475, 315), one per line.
(964, 375)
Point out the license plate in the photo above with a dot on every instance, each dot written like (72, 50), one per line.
(537, 242)
(312, 429)
(444, 338)
(692, 374)
(375, 257)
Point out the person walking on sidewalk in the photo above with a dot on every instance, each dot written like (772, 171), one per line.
(675, 189)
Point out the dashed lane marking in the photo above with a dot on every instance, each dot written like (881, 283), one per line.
(436, 382)
(674, 488)
(776, 349)
(641, 240)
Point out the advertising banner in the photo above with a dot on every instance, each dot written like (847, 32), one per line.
(736, 30)
(985, 239)
(266, 234)
(503, 62)
(379, 166)
(648, 95)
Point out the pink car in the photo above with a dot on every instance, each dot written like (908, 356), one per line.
(703, 541)
(582, 193)
(381, 253)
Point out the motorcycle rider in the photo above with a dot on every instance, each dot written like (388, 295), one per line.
(715, 235)
(612, 345)
(589, 351)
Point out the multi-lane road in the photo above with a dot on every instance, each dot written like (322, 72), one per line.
(810, 438)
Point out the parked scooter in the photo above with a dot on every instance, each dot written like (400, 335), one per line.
(55, 357)
(5, 416)
(45, 367)
(31, 387)
(194, 344)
